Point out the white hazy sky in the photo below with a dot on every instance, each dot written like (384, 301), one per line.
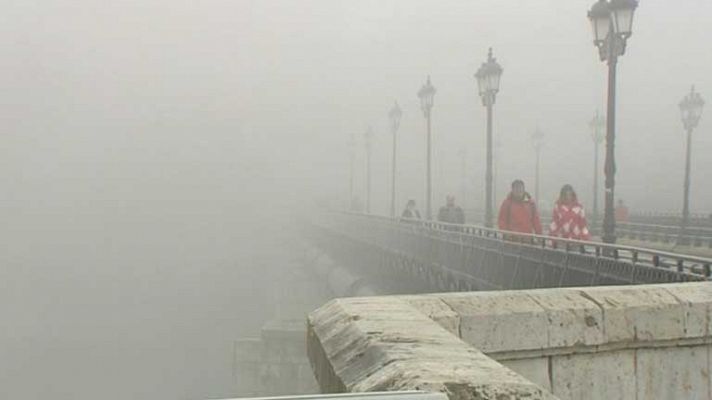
(140, 100)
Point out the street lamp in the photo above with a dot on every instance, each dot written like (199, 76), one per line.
(488, 77)
(426, 95)
(612, 23)
(495, 173)
(395, 116)
(691, 110)
(596, 125)
(367, 143)
(538, 142)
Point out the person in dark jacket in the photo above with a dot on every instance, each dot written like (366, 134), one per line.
(518, 212)
(410, 211)
(451, 213)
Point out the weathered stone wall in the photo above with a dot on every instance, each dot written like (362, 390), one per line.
(625, 342)
(384, 343)
(644, 342)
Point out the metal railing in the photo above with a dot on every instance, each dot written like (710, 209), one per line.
(670, 218)
(636, 260)
(694, 236)
(650, 227)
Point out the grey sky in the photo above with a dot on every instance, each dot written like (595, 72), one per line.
(130, 91)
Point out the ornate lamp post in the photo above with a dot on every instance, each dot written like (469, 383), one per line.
(538, 142)
(426, 95)
(495, 168)
(691, 109)
(488, 77)
(612, 23)
(596, 125)
(367, 143)
(395, 116)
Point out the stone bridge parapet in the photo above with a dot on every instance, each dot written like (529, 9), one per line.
(621, 342)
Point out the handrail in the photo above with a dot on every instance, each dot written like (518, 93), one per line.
(701, 229)
(668, 214)
(696, 265)
(694, 217)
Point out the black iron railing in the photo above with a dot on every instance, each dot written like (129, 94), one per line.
(458, 246)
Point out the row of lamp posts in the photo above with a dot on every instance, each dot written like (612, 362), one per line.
(488, 79)
(612, 22)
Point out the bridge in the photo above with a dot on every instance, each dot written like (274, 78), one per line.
(528, 316)
(430, 256)
(587, 338)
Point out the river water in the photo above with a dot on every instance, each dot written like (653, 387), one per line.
(140, 305)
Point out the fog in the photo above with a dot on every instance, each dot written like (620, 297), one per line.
(155, 154)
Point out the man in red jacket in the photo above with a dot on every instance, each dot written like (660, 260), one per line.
(518, 212)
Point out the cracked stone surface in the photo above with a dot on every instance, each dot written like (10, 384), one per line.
(618, 342)
(384, 343)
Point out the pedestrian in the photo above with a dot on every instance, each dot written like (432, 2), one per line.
(621, 213)
(518, 212)
(451, 213)
(410, 211)
(568, 219)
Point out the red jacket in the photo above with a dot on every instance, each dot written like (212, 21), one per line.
(568, 221)
(519, 215)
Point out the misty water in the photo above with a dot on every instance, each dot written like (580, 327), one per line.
(136, 308)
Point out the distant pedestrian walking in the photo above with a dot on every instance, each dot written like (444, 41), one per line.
(410, 211)
(621, 213)
(568, 220)
(451, 213)
(518, 212)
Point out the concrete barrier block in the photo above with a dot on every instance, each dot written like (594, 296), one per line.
(696, 299)
(673, 373)
(642, 313)
(534, 369)
(499, 321)
(573, 319)
(595, 376)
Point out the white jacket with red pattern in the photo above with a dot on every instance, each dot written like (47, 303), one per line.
(568, 221)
